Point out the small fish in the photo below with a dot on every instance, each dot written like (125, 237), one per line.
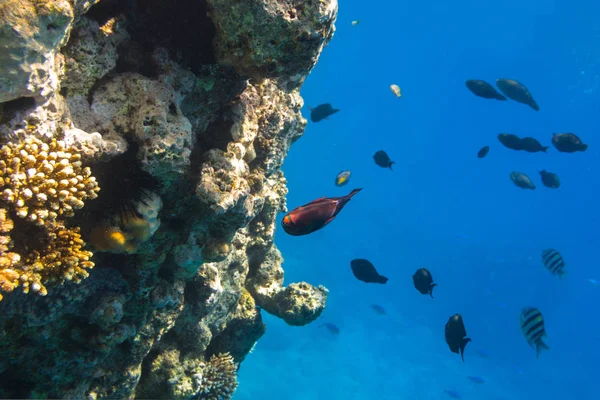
(342, 178)
(321, 112)
(593, 282)
(516, 91)
(423, 281)
(331, 328)
(365, 271)
(521, 180)
(452, 393)
(356, 22)
(483, 353)
(455, 335)
(510, 141)
(396, 90)
(378, 309)
(531, 145)
(550, 179)
(568, 143)
(315, 215)
(383, 160)
(553, 262)
(532, 326)
(483, 89)
(483, 151)
(476, 379)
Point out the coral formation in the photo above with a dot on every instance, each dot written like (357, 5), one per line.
(185, 114)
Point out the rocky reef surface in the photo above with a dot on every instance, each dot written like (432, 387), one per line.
(140, 174)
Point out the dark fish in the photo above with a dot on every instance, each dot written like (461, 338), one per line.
(452, 393)
(455, 335)
(321, 112)
(342, 178)
(531, 145)
(378, 309)
(364, 271)
(532, 326)
(517, 92)
(476, 379)
(315, 215)
(483, 151)
(550, 179)
(423, 281)
(331, 328)
(568, 143)
(510, 141)
(521, 180)
(383, 160)
(554, 262)
(483, 89)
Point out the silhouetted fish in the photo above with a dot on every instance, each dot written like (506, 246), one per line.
(315, 215)
(383, 160)
(452, 393)
(568, 143)
(476, 379)
(483, 151)
(550, 179)
(532, 326)
(554, 262)
(342, 178)
(364, 271)
(321, 112)
(483, 89)
(378, 309)
(331, 328)
(510, 141)
(455, 335)
(517, 92)
(521, 180)
(531, 145)
(423, 281)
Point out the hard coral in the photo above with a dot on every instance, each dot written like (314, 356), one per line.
(219, 378)
(41, 181)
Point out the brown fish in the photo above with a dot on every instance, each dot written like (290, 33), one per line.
(516, 91)
(521, 180)
(455, 335)
(315, 215)
(550, 179)
(483, 151)
(483, 89)
(568, 143)
(510, 141)
(531, 145)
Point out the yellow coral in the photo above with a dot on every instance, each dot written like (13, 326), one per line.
(44, 180)
(219, 378)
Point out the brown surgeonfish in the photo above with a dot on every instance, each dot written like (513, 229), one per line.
(455, 335)
(423, 281)
(516, 91)
(383, 160)
(568, 143)
(531, 145)
(365, 271)
(510, 141)
(521, 180)
(315, 215)
(483, 151)
(321, 112)
(483, 89)
(550, 179)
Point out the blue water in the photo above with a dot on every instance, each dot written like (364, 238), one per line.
(443, 208)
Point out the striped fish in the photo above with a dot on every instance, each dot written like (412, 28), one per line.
(553, 262)
(532, 326)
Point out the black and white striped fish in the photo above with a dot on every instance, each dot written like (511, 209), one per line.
(532, 326)
(553, 262)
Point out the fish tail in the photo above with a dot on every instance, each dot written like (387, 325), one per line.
(391, 162)
(545, 148)
(352, 193)
(462, 347)
(541, 346)
(431, 289)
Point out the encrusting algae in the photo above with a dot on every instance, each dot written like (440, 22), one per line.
(40, 182)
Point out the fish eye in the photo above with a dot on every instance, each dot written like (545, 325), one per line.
(287, 220)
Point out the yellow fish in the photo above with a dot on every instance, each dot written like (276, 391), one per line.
(342, 178)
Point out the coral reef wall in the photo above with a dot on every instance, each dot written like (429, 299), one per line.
(140, 173)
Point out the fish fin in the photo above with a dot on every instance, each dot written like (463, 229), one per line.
(545, 148)
(352, 193)
(316, 200)
(583, 147)
(431, 289)
(390, 166)
(541, 346)
(382, 279)
(311, 109)
(462, 347)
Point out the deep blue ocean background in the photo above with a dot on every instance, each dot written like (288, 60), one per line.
(443, 208)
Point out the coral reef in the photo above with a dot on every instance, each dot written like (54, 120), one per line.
(185, 115)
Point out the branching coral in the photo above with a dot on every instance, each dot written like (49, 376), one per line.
(44, 180)
(219, 378)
